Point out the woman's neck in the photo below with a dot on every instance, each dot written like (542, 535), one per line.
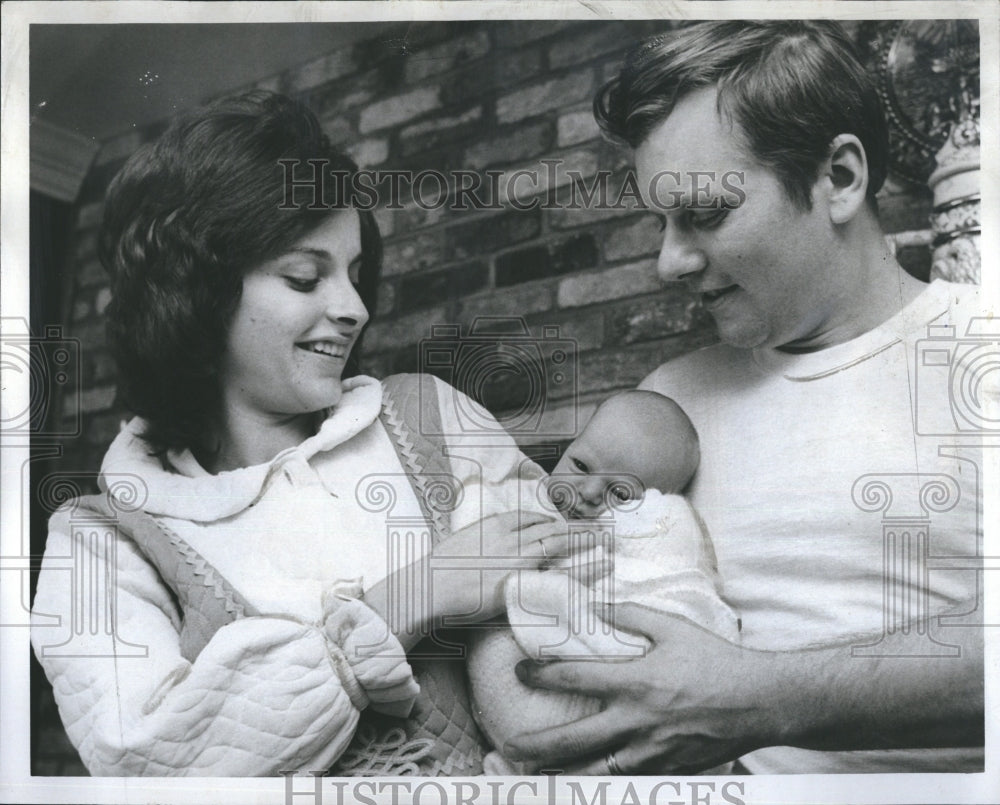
(250, 438)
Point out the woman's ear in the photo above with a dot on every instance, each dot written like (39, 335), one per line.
(846, 170)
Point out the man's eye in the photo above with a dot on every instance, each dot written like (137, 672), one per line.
(302, 284)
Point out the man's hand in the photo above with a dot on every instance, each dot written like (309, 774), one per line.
(696, 701)
(688, 705)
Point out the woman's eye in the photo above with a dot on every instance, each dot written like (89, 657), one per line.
(579, 465)
(708, 219)
(302, 284)
(661, 221)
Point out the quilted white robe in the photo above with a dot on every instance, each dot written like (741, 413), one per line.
(272, 692)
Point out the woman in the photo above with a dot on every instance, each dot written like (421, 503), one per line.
(258, 572)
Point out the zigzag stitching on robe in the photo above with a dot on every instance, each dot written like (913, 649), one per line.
(200, 567)
(406, 447)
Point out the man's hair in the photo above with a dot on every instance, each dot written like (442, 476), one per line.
(792, 86)
(183, 220)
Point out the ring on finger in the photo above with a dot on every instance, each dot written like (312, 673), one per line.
(612, 762)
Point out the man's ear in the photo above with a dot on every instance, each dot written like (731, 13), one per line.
(846, 175)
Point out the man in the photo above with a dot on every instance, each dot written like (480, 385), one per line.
(806, 414)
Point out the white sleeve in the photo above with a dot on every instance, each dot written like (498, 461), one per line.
(494, 474)
(266, 694)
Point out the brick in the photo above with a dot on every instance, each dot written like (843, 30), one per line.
(585, 330)
(383, 336)
(578, 47)
(86, 244)
(899, 212)
(587, 213)
(613, 283)
(670, 313)
(489, 234)
(102, 300)
(498, 73)
(338, 97)
(641, 237)
(554, 259)
(514, 145)
(397, 42)
(539, 98)
(338, 128)
(444, 57)
(81, 309)
(515, 185)
(624, 368)
(98, 367)
(369, 152)
(91, 334)
(386, 299)
(576, 127)
(521, 300)
(421, 290)
(398, 109)
(118, 148)
(517, 33)
(438, 131)
(91, 401)
(416, 217)
(89, 215)
(102, 429)
(385, 220)
(413, 253)
(91, 272)
(319, 71)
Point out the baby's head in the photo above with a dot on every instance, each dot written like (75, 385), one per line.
(634, 435)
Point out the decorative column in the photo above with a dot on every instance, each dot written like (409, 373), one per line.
(906, 501)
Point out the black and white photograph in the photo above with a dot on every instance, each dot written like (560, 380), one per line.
(454, 402)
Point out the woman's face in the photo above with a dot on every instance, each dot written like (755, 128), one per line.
(297, 320)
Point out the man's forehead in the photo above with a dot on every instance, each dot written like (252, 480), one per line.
(695, 136)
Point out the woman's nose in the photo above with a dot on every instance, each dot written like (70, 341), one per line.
(678, 256)
(345, 306)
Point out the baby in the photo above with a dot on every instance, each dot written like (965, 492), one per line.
(624, 474)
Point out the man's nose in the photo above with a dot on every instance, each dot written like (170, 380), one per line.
(678, 257)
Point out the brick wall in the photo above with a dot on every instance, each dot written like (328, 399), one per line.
(467, 96)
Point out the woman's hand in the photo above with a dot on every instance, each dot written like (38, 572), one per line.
(693, 702)
(468, 569)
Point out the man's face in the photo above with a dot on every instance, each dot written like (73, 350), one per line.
(759, 267)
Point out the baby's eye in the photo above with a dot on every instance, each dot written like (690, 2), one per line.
(621, 492)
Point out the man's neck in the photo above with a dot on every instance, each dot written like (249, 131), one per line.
(879, 288)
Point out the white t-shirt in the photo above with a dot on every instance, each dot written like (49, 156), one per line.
(797, 454)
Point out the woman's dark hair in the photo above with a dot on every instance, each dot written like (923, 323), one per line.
(183, 220)
(792, 86)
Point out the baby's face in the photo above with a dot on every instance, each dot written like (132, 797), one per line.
(614, 460)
